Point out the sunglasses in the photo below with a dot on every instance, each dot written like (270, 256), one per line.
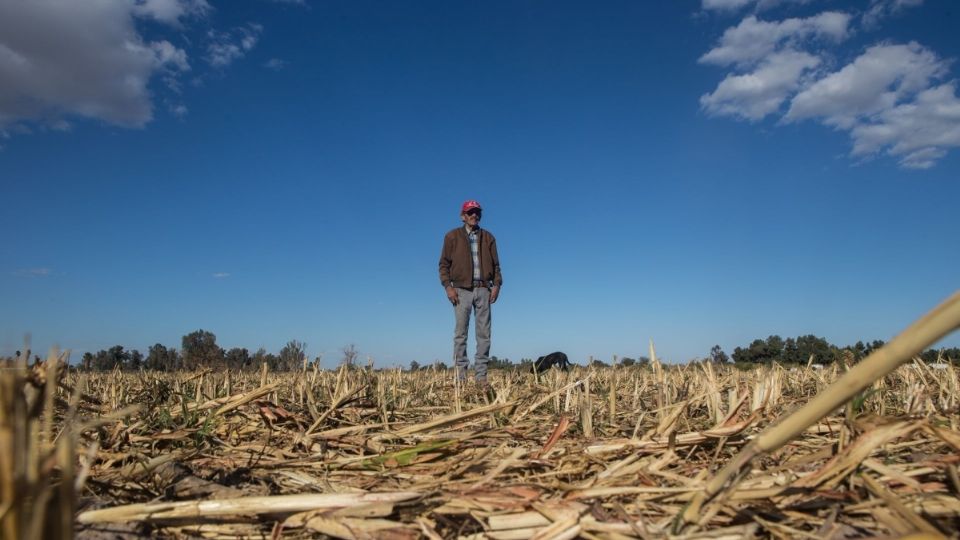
(472, 213)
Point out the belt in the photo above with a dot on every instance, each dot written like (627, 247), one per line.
(479, 283)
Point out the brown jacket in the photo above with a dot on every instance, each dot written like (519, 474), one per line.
(456, 263)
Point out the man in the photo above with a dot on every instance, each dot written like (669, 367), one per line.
(470, 273)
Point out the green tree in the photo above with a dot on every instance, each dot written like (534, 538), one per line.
(774, 350)
(499, 363)
(135, 360)
(200, 350)
(237, 358)
(263, 357)
(112, 358)
(160, 358)
(414, 365)
(821, 350)
(791, 354)
(350, 354)
(718, 356)
(86, 363)
(292, 355)
(873, 346)
(597, 363)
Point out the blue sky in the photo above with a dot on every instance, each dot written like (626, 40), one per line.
(697, 173)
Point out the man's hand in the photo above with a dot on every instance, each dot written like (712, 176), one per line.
(452, 295)
(494, 293)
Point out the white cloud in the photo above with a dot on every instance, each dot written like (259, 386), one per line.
(170, 11)
(737, 5)
(918, 132)
(34, 272)
(882, 9)
(877, 80)
(891, 98)
(725, 5)
(226, 47)
(275, 64)
(168, 55)
(221, 275)
(753, 40)
(64, 58)
(755, 95)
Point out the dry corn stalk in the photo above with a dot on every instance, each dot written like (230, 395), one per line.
(942, 320)
(224, 508)
(36, 468)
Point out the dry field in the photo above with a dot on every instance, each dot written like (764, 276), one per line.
(696, 451)
(606, 453)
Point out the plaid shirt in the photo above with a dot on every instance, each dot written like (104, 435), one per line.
(475, 251)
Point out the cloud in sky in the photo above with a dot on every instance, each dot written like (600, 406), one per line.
(753, 40)
(221, 275)
(226, 47)
(170, 11)
(874, 82)
(883, 9)
(34, 272)
(275, 64)
(918, 132)
(737, 5)
(61, 59)
(891, 98)
(757, 94)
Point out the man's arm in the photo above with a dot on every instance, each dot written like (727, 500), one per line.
(445, 261)
(497, 277)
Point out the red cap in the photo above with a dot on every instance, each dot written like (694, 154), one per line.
(470, 204)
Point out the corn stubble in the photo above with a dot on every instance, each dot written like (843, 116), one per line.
(695, 451)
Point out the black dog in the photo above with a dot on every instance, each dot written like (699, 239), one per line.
(557, 359)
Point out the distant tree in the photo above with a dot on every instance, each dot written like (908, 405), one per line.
(414, 365)
(797, 351)
(113, 358)
(791, 354)
(859, 350)
(200, 350)
(350, 354)
(718, 356)
(774, 349)
(951, 355)
(135, 360)
(263, 357)
(821, 350)
(499, 363)
(160, 358)
(873, 346)
(752, 354)
(627, 361)
(760, 351)
(86, 363)
(597, 363)
(292, 355)
(237, 358)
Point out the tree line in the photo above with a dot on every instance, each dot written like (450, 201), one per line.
(799, 350)
(199, 349)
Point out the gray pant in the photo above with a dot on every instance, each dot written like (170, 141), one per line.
(478, 300)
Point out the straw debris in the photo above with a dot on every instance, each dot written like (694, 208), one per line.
(622, 452)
